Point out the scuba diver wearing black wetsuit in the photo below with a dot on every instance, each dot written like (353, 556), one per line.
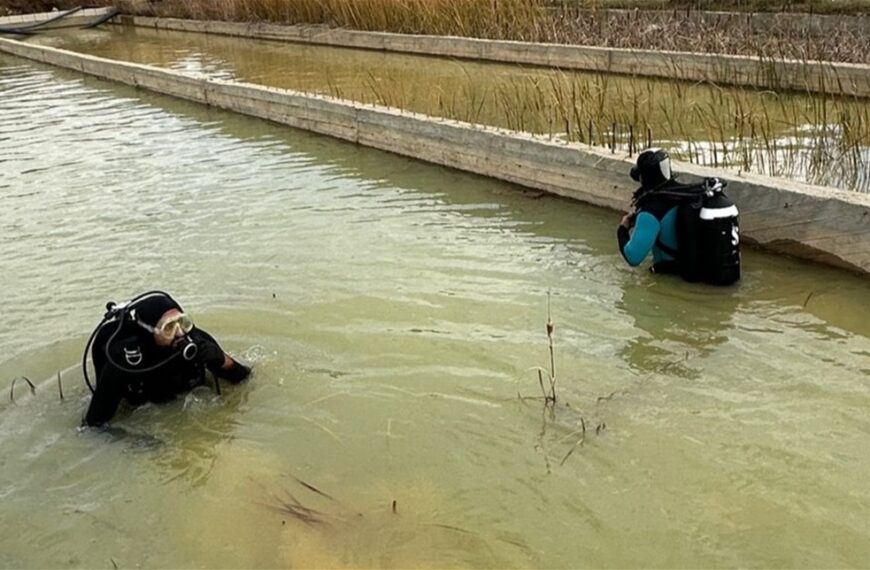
(149, 351)
(691, 230)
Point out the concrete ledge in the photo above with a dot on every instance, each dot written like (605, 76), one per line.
(814, 76)
(811, 222)
(80, 18)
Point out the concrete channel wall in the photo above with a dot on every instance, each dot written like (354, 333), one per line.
(833, 78)
(79, 18)
(807, 221)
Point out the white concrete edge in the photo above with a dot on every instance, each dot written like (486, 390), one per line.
(71, 20)
(807, 221)
(820, 76)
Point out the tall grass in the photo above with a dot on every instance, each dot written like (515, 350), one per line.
(814, 137)
(531, 20)
(513, 19)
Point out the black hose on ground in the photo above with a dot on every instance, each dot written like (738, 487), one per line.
(102, 19)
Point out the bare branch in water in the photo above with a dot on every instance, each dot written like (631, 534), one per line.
(295, 509)
(807, 300)
(12, 387)
(550, 329)
(453, 528)
(610, 396)
(549, 397)
(325, 495)
(579, 441)
(59, 386)
(312, 488)
(541, 436)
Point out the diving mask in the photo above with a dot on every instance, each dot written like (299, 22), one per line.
(170, 328)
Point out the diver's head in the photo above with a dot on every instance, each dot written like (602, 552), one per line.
(172, 326)
(163, 318)
(653, 168)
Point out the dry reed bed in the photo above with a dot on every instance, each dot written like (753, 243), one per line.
(677, 32)
(502, 19)
(778, 6)
(528, 20)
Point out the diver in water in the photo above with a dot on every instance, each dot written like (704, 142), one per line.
(691, 230)
(149, 350)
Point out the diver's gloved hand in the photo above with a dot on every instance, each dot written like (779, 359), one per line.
(215, 359)
(235, 373)
(209, 351)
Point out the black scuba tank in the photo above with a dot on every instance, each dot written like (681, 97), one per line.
(707, 231)
(719, 237)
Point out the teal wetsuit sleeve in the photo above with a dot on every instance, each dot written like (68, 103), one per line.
(643, 238)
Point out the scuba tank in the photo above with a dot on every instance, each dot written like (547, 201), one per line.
(719, 234)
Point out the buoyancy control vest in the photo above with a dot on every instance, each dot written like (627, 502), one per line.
(707, 227)
(118, 341)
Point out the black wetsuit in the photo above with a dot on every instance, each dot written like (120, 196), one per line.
(133, 348)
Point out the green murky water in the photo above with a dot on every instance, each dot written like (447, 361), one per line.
(822, 140)
(392, 311)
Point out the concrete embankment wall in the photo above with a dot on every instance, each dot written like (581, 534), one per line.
(79, 18)
(811, 222)
(834, 78)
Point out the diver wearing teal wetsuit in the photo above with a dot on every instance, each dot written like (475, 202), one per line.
(652, 227)
(692, 230)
